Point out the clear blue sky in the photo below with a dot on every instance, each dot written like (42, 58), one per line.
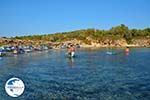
(27, 17)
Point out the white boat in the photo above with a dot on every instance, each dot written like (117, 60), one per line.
(27, 50)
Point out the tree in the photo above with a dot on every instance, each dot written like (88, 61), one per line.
(119, 30)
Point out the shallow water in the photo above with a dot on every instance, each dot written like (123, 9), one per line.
(91, 75)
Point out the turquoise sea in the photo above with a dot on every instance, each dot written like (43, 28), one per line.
(91, 75)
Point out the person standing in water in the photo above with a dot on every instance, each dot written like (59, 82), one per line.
(127, 51)
(0, 53)
(71, 51)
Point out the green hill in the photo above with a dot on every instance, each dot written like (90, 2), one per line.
(117, 32)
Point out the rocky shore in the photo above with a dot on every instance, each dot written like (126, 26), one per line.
(113, 43)
(139, 42)
(16, 46)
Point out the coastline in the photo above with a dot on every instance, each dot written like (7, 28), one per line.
(107, 43)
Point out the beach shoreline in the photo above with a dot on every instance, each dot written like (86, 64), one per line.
(107, 43)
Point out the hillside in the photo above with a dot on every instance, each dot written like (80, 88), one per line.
(118, 36)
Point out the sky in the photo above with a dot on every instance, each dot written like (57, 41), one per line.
(30, 17)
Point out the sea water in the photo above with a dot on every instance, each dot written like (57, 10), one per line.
(91, 75)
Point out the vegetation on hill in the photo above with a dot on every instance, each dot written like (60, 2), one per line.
(117, 32)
